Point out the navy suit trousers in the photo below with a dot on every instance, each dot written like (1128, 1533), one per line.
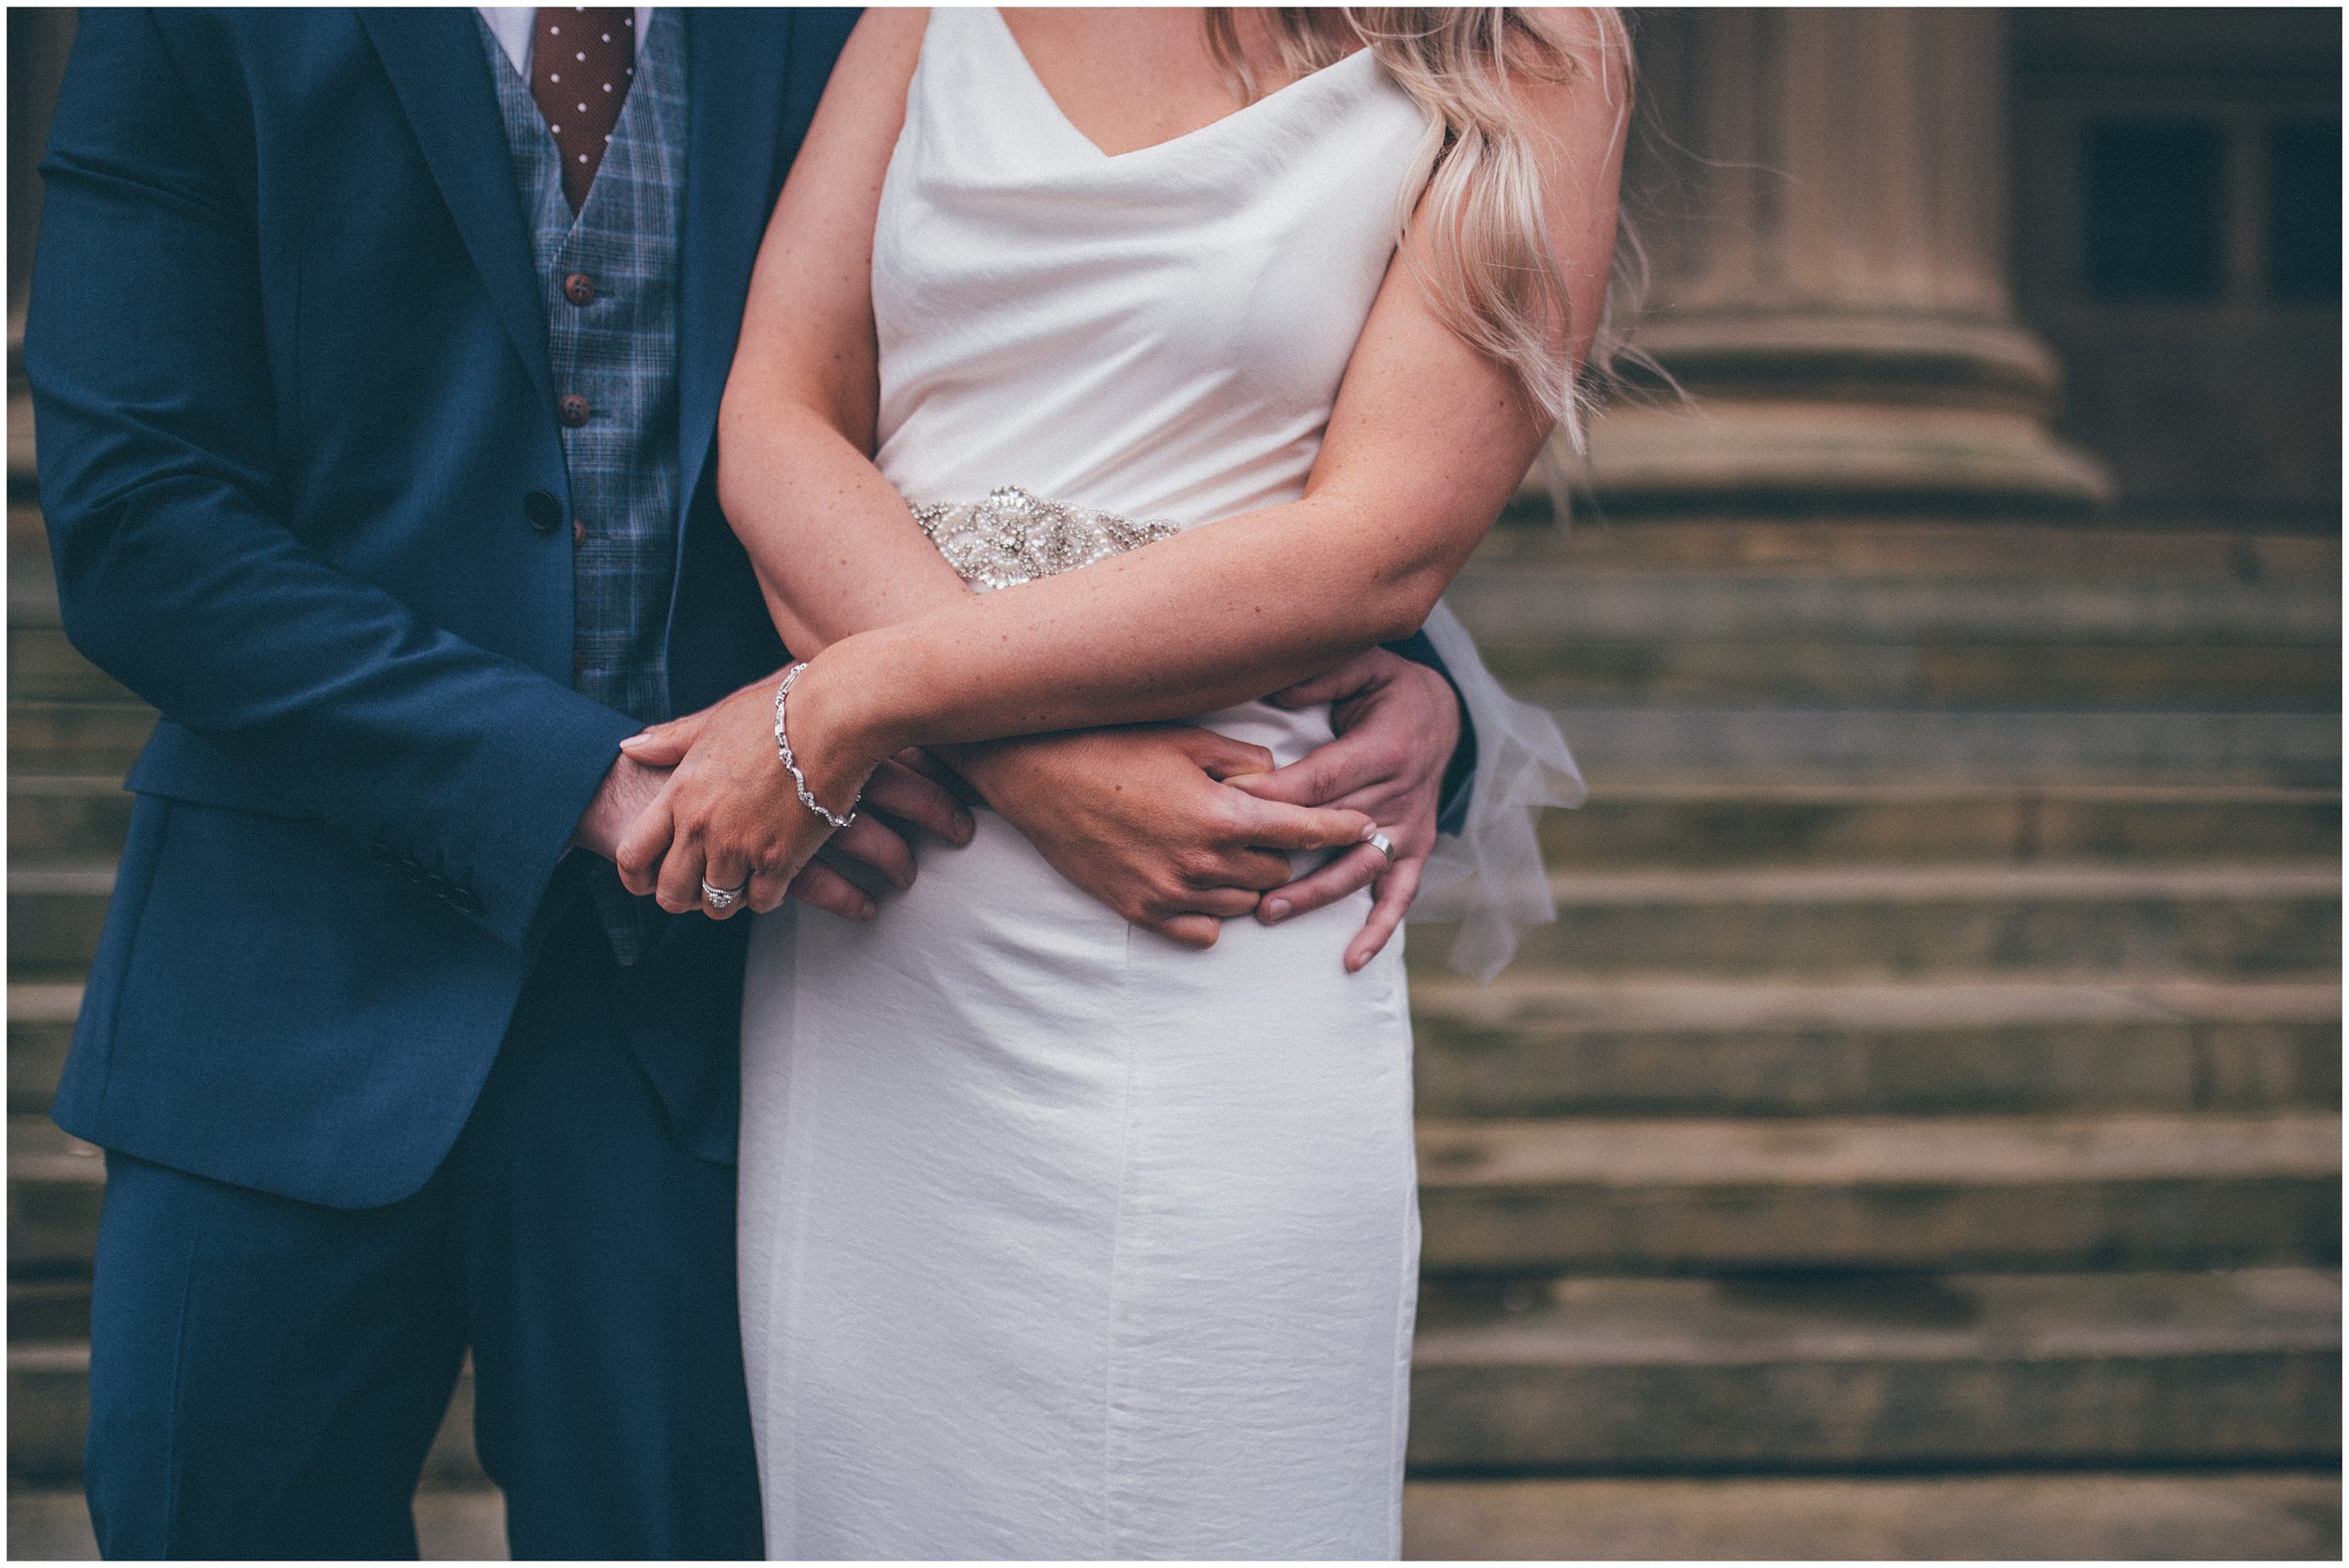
(275, 1370)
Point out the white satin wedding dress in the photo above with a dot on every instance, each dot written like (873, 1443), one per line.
(1059, 1241)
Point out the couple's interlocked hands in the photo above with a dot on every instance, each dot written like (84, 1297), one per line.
(1173, 827)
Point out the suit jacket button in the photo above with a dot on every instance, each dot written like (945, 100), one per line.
(580, 289)
(542, 511)
(573, 409)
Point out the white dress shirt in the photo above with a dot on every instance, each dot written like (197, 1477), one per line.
(513, 27)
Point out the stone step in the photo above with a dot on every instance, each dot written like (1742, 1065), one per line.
(1728, 825)
(1629, 1195)
(90, 739)
(1624, 1196)
(1546, 1045)
(49, 1312)
(452, 1525)
(40, 1030)
(66, 818)
(1661, 743)
(2097, 1516)
(1529, 607)
(49, 1413)
(79, 819)
(2106, 921)
(1626, 1376)
(1649, 1375)
(1893, 922)
(1875, 674)
(55, 1183)
(54, 915)
(21, 464)
(44, 667)
(2104, 1515)
(1884, 547)
(32, 576)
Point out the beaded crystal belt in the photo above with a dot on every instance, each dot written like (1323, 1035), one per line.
(1013, 537)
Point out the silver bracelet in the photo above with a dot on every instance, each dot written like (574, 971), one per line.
(783, 749)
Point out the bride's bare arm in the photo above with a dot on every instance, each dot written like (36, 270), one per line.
(1426, 443)
(835, 550)
(1427, 439)
(1136, 817)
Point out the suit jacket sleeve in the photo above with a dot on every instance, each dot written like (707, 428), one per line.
(163, 489)
(1460, 776)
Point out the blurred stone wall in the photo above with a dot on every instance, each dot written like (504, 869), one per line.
(2064, 261)
(2176, 193)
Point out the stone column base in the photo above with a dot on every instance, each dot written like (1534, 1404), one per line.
(1826, 411)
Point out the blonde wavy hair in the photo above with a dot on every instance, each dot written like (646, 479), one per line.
(1490, 269)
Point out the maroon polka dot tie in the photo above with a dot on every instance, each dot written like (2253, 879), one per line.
(582, 60)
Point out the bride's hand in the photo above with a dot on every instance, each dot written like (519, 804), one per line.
(1145, 818)
(730, 813)
(906, 793)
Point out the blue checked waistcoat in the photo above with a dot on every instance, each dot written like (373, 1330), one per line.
(618, 352)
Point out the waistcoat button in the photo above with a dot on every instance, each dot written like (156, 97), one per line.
(572, 410)
(542, 511)
(580, 289)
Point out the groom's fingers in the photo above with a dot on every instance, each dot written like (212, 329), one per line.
(641, 847)
(906, 795)
(1199, 931)
(1355, 761)
(1253, 869)
(1276, 825)
(823, 887)
(1217, 903)
(922, 761)
(1341, 878)
(870, 842)
(1395, 893)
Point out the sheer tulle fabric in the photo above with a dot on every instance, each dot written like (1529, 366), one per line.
(1491, 878)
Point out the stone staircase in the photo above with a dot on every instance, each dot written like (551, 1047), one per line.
(1918, 1137)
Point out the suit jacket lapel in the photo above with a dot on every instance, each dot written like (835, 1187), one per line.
(736, 68)
(441, 76)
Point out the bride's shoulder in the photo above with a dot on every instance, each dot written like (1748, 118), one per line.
(884, 48)
(1565, 65)
(1554, 81)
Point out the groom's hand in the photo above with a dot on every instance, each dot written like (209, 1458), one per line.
(625, 791)
(1396, 724)
(1139, 817)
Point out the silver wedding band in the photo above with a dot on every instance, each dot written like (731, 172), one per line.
(1377, 841)
(723, 898)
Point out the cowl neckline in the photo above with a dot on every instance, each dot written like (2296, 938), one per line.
(1282, 99)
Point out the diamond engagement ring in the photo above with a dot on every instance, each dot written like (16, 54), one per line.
(723, 898)
(1379, 842)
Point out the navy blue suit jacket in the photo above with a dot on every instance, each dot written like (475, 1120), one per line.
(303, 481)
